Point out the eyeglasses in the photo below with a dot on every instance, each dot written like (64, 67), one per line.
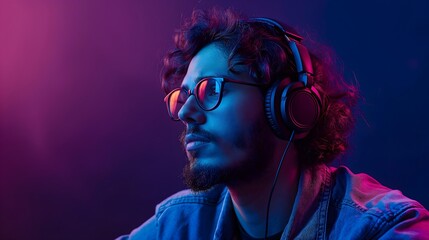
(207, 92)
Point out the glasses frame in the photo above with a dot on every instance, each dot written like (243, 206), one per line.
(191, 92)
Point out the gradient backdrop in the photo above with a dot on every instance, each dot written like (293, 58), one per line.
(86, 147)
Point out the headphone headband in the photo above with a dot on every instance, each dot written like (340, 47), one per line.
(287, 30)
(300, 53)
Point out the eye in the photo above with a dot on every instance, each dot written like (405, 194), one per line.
(208, 88)
(182, 96)
(214, 89)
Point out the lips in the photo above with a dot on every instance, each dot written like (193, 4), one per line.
(194, 141)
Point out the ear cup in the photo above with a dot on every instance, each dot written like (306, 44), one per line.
(272, 106)
(300, 107)
(292, 106)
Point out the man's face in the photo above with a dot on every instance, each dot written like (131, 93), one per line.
(231, 143)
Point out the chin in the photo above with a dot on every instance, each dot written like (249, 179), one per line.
(201, 177)
(202, 173)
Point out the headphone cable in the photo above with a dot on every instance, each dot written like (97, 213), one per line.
(275, 181)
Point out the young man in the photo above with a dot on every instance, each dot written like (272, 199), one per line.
(262, 117)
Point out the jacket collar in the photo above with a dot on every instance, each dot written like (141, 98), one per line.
(310, 208)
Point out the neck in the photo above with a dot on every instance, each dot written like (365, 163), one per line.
(250, 198)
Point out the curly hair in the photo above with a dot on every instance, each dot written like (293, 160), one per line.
(269, 59)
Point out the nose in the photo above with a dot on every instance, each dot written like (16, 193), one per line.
(191, 112)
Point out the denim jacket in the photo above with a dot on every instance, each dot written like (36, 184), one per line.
(331, 203)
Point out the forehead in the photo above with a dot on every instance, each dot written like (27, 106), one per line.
(209, 61)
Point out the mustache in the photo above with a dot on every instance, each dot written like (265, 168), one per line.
(195, 130)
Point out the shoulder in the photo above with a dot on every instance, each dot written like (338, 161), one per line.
(181, 213)
(364, 192)
(376, 209)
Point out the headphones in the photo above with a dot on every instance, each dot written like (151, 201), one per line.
(292, 105)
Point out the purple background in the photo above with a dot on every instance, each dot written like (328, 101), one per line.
(86, 147)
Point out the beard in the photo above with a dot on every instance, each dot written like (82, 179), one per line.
(259, 151)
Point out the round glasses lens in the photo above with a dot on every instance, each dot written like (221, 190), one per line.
(175, 103)
(208, 93)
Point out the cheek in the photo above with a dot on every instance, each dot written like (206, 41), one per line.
(237, 129)
(235, 118)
